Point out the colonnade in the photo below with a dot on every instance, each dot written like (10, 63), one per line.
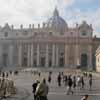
(31, 57)
(50, 55)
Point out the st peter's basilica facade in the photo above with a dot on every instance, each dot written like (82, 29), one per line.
(52, 45)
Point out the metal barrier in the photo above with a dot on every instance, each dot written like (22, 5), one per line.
(7, 87)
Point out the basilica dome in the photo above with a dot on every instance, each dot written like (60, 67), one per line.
(57, 22)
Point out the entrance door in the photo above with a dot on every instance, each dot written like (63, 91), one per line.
(61, 62)
(50, 63)
(84, 60)
(42, 61)
(24, 61)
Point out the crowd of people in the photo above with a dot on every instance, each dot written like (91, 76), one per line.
(71, 82)
(74, 81)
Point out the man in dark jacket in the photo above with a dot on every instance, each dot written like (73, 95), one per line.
(70, 83)
(59, 79)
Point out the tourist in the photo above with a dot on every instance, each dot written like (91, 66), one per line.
(42, 90)
(49, 78)
(74, 82)
(10, 71)
(78, 82)
(39, 74)
(59, 79)
(90, 75)
(69, 88)
(90, 82)
(65, 80)
(85, 97)
(82, 82)
(6, 74)
(3, 74)
(34, 86)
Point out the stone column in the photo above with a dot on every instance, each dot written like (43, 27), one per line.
(66, 55)
(0, 54)
(32, 53)
(20, 55)
(47, 55)
(90, 57)
(57, 57)
(53, 55)
(38, 55)
(29, 55)
(77, 59)
(11, 48)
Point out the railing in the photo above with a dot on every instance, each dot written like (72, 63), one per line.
(7, 87)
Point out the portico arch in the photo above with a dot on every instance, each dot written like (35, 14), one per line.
(61, 61)
(42, 61)
(84, 60)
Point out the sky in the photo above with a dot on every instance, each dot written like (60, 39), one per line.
(27, 12)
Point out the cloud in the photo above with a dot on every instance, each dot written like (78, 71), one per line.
(65, 2)
(74, 16)
(29, 11)
(36, 11)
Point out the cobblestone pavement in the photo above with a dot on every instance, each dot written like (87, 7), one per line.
(24, 82)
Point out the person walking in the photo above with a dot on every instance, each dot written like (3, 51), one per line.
(49, 77)
(90, 82)
(82, 82)
(78, 82)
(69, 88)
(42, 90)
(74, 82)
(65, 80)
(34, 86)
(59, 79)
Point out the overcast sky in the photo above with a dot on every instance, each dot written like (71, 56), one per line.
(27, 12)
